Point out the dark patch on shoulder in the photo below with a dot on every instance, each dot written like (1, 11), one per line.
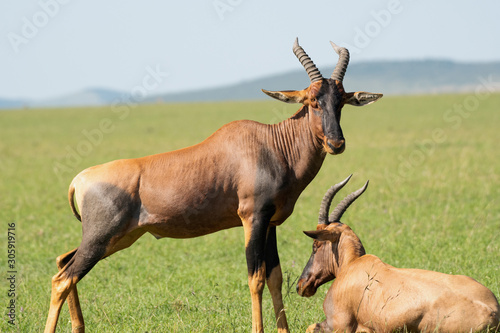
(271, 175)
(270, 179)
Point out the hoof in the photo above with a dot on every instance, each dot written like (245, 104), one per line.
(314, 328)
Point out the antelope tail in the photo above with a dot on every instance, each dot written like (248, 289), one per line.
(71, 195)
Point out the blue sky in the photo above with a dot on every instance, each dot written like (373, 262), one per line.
(54, 47)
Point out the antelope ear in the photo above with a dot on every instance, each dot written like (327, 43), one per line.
(321, 235)
(287, 96)
(361, 98)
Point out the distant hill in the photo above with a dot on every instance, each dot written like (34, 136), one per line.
(421, 77)
(387, 77)
(11, 103)
(89, 97)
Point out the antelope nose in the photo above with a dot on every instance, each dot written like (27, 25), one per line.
(337, 146)
(299, 288)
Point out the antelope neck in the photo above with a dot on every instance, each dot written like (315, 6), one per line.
(348, 249)
(294, 139)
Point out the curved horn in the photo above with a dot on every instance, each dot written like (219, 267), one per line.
(344, 204)
(327, 201)
(340, 68)
(305, 60)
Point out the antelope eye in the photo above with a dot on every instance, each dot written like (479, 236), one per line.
(314, 103)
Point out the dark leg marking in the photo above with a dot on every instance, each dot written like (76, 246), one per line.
(271, 258)
(256, 247)
(274, 278)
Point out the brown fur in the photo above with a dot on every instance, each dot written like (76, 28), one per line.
(245, 174)
(199, 190)
(369, 295)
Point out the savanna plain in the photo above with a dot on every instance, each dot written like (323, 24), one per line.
(433, 203)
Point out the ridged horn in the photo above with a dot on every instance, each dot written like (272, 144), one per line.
(327, 201)
(341, 67)
(305, 60)
(344, 204)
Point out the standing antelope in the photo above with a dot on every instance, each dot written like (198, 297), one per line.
(245, 174)
(371, 296)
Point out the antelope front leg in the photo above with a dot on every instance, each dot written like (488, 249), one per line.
(274, 278)
(255, 244)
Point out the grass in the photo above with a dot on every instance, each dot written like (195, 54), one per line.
(433, 203)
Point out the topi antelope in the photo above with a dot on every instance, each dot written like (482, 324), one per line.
(245, 174)
(371, 296)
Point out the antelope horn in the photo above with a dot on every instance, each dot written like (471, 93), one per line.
(344, 204)
(340, 68)
(327, 201)
(305, 60)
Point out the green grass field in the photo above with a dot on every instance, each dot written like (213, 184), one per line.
(433, 203)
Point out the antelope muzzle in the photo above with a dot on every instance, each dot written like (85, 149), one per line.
(334, 147)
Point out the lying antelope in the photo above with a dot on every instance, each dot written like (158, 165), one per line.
(369, 295)
(245, 174)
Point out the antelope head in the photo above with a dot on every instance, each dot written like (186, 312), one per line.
(335, 244)
(325, 98)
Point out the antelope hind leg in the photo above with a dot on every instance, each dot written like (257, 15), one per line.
(75, 311)
(62, 284)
